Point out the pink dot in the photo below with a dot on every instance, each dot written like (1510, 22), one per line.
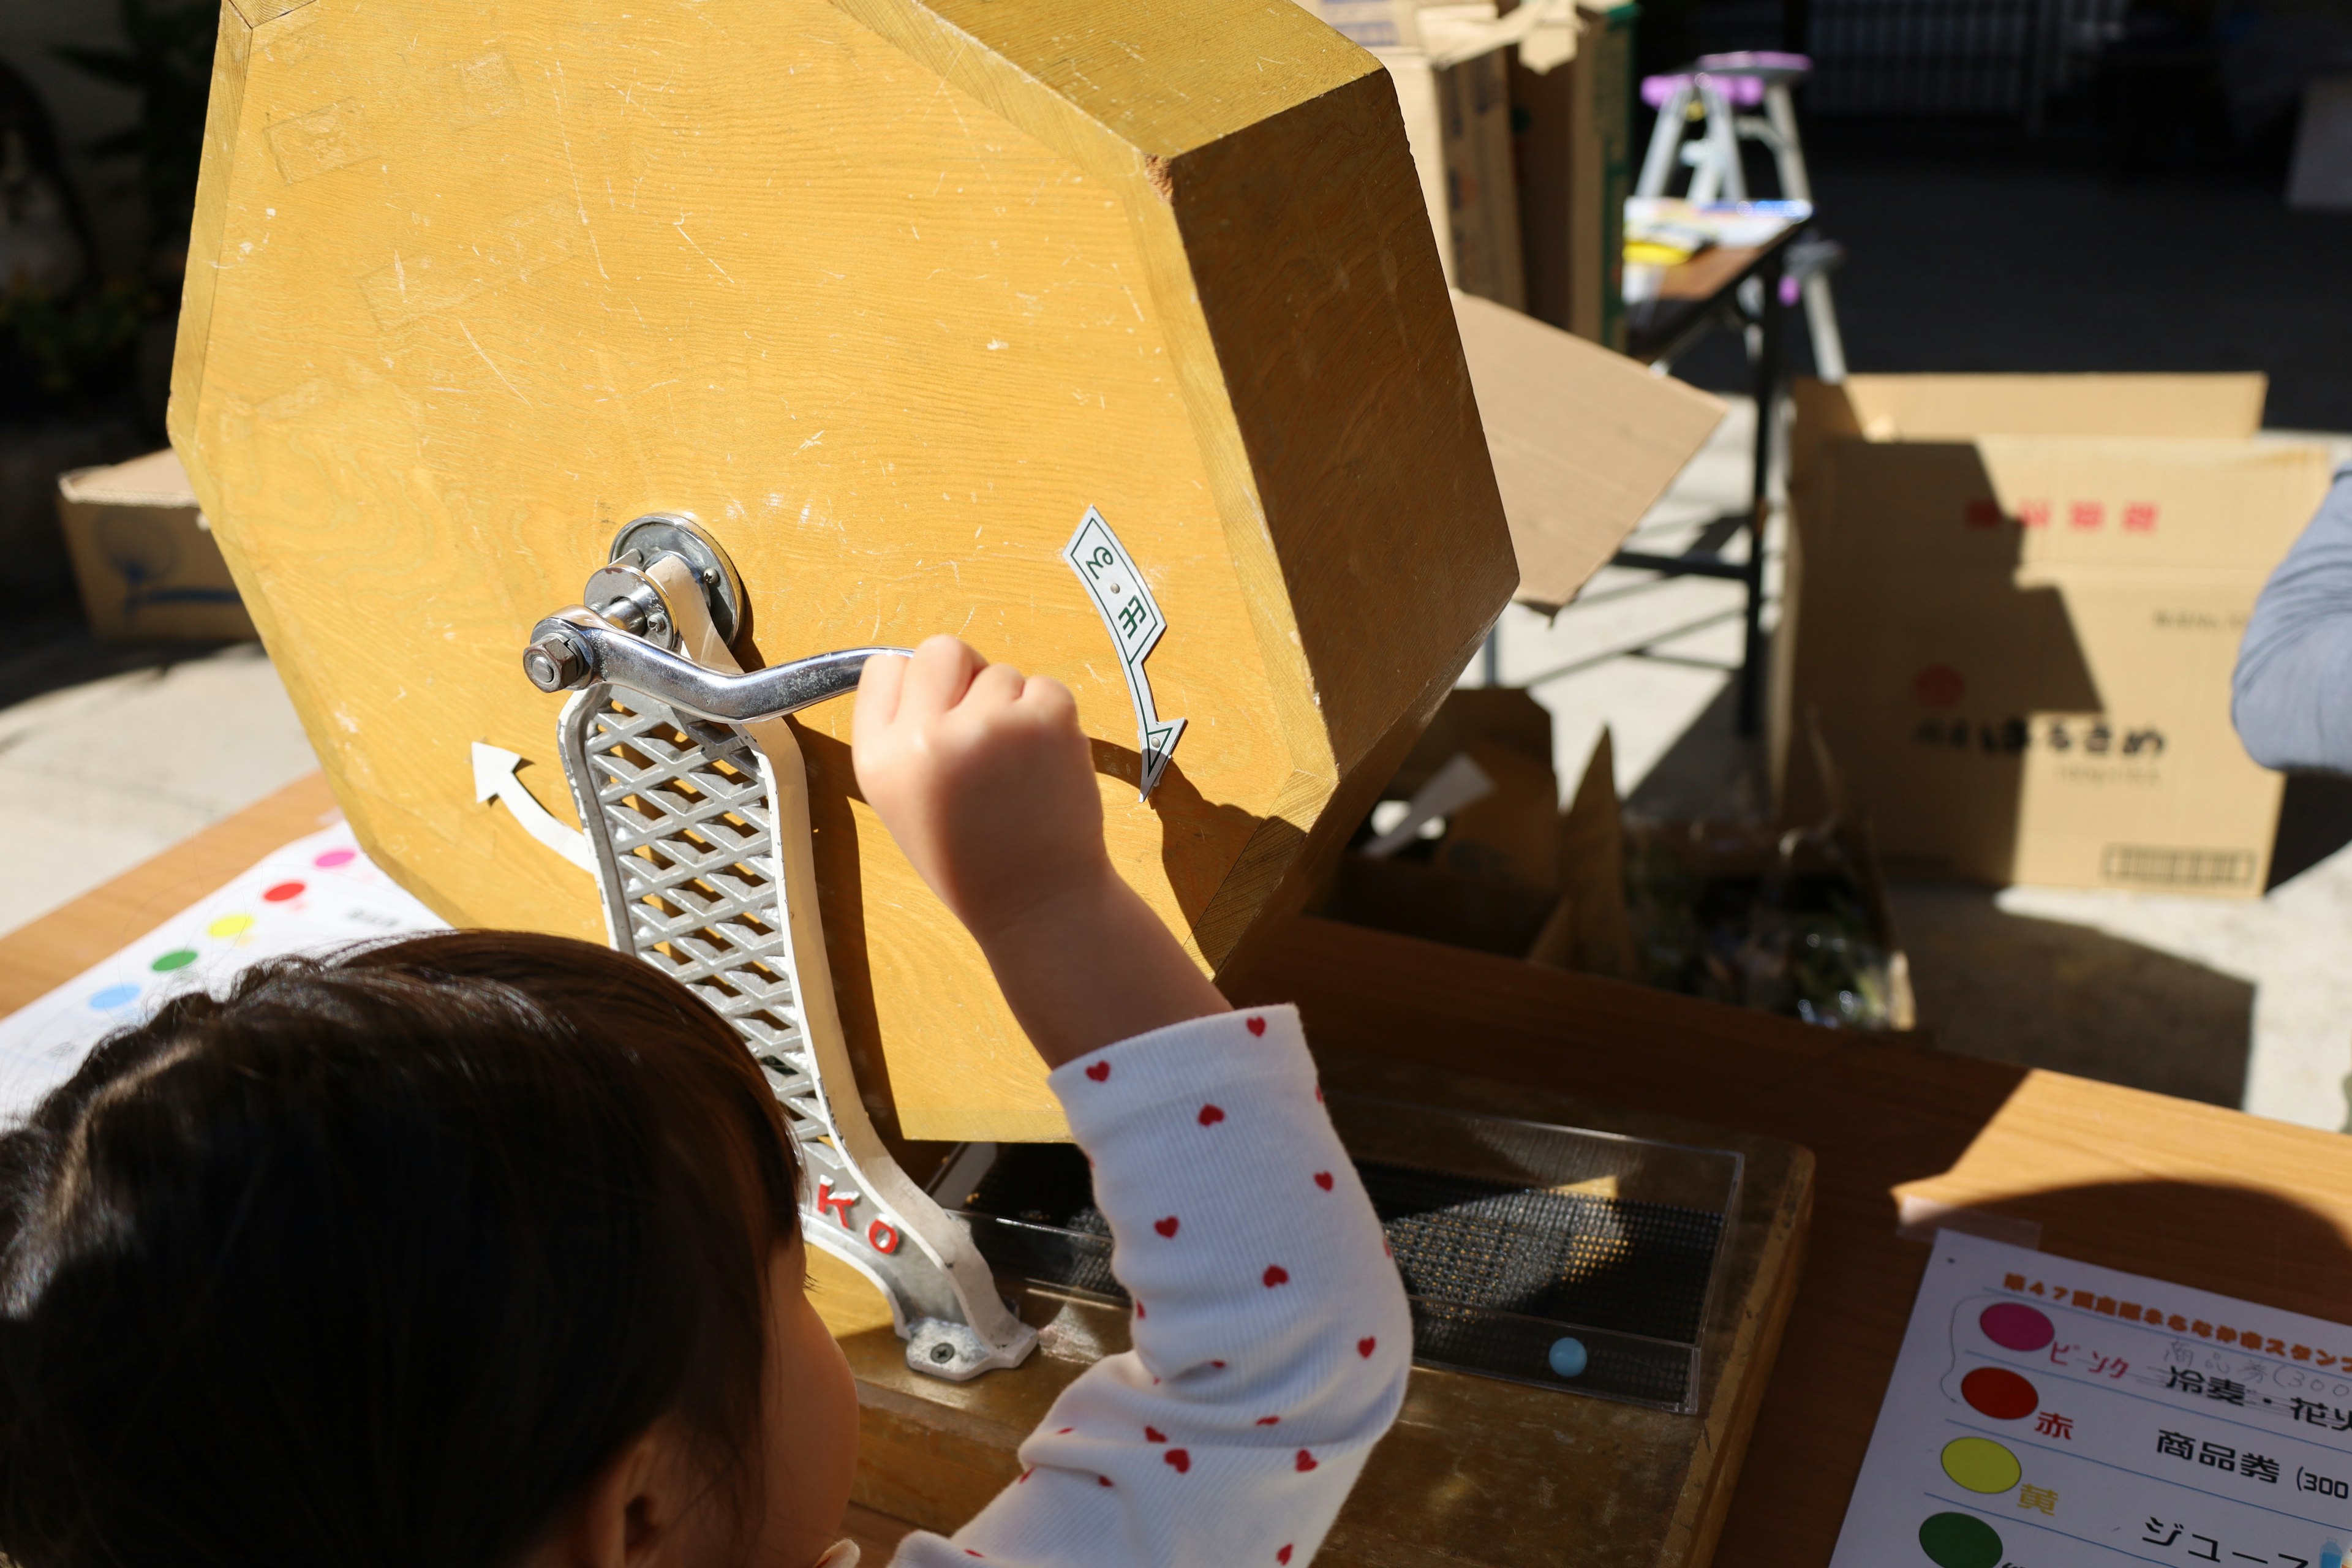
(283, 892)
(2014, 1326)
(334, 858)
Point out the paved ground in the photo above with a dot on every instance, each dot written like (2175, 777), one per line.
(114, 753)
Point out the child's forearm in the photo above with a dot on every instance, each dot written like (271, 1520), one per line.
(1093, 966)
(1271, 1336)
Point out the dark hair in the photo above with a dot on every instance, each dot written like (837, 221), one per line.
(379, 1259)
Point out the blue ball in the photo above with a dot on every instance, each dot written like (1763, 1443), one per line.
(1568, 1358)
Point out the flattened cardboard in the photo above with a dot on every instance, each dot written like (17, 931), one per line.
(2018, 643)
(1584, 441)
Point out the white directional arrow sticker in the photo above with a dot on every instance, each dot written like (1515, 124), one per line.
(494, 779)
(1133, 616)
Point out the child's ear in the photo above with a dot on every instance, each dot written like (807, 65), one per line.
(633, 1513)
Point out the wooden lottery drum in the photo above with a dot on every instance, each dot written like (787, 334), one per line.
(888, 296)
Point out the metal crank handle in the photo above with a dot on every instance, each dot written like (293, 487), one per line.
(576, 647)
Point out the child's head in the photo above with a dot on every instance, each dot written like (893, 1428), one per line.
(474, 1248)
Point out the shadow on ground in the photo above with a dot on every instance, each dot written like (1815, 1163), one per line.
(2037, 993)
(1711, 772)
(49, 653)
(2014, 989)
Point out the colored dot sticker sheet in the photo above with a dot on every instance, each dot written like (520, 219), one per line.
(316, 893)
(2045, 1414)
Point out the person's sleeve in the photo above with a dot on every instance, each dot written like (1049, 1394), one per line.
(2290, 698)
(1272, 1339)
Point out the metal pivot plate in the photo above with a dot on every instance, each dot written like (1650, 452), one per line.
(660, 533)
(682, 814)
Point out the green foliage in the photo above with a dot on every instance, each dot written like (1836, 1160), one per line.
(66, 354)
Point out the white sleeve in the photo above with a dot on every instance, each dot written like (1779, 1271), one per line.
(1272, 1338)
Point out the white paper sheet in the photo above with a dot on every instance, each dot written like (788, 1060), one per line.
(2045, 1414)
(316, 892)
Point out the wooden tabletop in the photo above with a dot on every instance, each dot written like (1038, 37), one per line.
(1689, 287)
(1708, 273)
(2183, 1192)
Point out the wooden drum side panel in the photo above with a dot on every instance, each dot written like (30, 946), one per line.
(888, 296)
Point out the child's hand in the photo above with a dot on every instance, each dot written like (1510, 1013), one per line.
(985, 780)
(987, 783)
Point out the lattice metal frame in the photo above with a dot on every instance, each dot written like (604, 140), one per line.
(681, 814)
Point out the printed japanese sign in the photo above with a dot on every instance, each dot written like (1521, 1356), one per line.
(2045, 1414)
(1127, 608)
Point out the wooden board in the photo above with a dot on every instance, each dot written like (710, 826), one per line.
(1477, 1471)
(888, 294)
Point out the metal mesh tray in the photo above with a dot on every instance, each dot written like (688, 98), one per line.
(1570, 1259)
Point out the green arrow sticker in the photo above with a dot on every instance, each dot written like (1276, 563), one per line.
(1133, 615)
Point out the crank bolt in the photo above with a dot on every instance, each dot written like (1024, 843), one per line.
(554, 664)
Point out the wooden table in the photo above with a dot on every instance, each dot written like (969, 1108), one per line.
(2184, 1192)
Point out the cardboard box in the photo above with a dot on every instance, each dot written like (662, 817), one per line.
(1493, 879)
(2013, 608)
(143, 556)
(1450, 65)
(1791, 922)
(1574, 134)
(1818, 935)
(1457, 118)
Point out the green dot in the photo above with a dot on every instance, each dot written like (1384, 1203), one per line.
(1959, 1540)
(178, 958)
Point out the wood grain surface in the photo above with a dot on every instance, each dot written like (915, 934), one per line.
(888, 294)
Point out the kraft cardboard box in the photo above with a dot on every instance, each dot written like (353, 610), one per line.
(1457, 119)
(1450, 67)
(1796, 923)
(144, 557)
(2013, 608)
(1573, 123)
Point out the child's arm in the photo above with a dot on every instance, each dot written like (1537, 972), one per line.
(987, 783)
(1271, 1335)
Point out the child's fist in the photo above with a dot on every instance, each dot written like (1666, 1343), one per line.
(985, 780)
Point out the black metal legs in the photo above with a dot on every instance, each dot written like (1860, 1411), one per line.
(1768, 429)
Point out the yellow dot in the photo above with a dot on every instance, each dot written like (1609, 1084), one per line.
(1980, 1464)
(229, 925)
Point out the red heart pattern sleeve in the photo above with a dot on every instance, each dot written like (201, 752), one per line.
(1271, 1338)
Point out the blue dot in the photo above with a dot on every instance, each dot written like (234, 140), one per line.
(114, 996)
(1568, 1358)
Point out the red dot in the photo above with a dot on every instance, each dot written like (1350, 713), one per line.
(1939, 686)
(2014, 1326)
(283, 892)
(2000, 1393)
